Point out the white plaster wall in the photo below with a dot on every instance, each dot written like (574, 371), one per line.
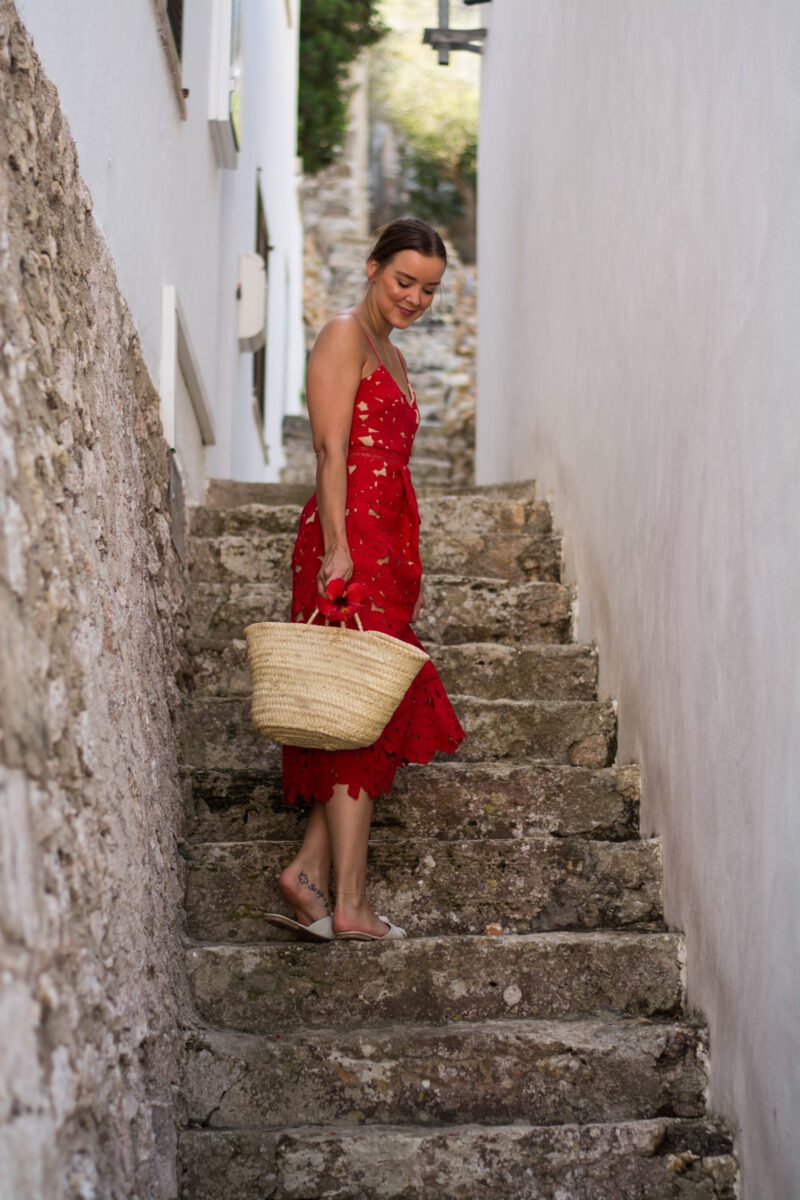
(639, 240)
(269, 99)
(170, 214)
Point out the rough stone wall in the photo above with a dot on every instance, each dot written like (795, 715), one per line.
(91, 613)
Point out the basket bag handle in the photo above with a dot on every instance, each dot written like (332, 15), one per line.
(343, 623)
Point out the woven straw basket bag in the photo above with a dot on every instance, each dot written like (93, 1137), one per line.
(326, 686)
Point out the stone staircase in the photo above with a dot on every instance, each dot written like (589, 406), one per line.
(529, 1039)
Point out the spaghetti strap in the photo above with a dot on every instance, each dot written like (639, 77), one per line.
(369, 339)
(403, 365)
(363, 330)
(378, 357)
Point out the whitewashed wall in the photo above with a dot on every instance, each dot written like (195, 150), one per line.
(640, 357)
(170, 213)
(269, 143)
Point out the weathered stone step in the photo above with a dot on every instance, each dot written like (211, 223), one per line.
(444, 799)
(491, 670)
(580, 732)
(217, 732)
(436, 887)
(229, 493)
(513, 556)
(263, 989)
(456, 610)
(492, 1072)
(495, 671)
(252, 553)
(661, 1159)
(470, 515)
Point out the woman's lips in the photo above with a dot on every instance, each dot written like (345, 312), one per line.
(407, 312)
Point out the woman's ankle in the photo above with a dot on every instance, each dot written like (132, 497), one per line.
(305, 889)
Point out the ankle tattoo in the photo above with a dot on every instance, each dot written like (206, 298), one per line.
(312, 887)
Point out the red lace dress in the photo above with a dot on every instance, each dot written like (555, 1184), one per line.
(382, 523)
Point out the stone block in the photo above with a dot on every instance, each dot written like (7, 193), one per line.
(456, 609)
(474, 609)
(256, 554)
(439, 887)
(441, 800)
(661, 1159)
(581, 732)
(492, 1072)
(218, 733)
(490, 670)
(495, 671)
(266, 988)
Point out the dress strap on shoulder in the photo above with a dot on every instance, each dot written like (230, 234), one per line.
(369, 339)
(363, 330)
(403, 365)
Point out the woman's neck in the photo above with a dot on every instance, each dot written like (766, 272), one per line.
(372, 318)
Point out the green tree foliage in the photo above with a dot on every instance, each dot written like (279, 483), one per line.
(442, 190)
(434, 110)
(332, 34)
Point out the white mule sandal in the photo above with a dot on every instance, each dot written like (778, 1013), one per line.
(317, 931)
(355, 935)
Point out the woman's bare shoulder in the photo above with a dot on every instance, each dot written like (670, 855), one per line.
(340, 337)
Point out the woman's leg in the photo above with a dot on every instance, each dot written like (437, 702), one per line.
(349, 821)
(305, 882)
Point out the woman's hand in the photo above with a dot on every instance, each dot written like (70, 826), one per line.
(417, 606)
(336, 564)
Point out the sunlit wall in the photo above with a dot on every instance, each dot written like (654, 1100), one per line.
(639, 257)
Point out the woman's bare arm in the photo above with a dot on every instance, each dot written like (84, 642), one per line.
(334, 372)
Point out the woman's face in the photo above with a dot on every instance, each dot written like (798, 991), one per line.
(405, 287)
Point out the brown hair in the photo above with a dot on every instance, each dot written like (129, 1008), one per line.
(406, 233)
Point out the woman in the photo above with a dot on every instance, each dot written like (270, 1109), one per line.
(362, 523)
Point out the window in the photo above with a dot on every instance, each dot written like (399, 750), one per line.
(235, 96)
(260, 356)
(225, 82)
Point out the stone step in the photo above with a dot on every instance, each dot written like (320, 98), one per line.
(494, 1072)
(489, 670)
(491, 536)
(217, 732)
(513, 885)
(443, 800)
(661, 1159)
(494, 671)
(257, 554)
(263, 989)
(471, 515)
(456, 610)
(229, 493)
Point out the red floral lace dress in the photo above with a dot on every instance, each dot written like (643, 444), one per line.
(382, 522)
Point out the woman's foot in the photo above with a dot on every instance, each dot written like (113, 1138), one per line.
(307, 896)
(358, 916)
